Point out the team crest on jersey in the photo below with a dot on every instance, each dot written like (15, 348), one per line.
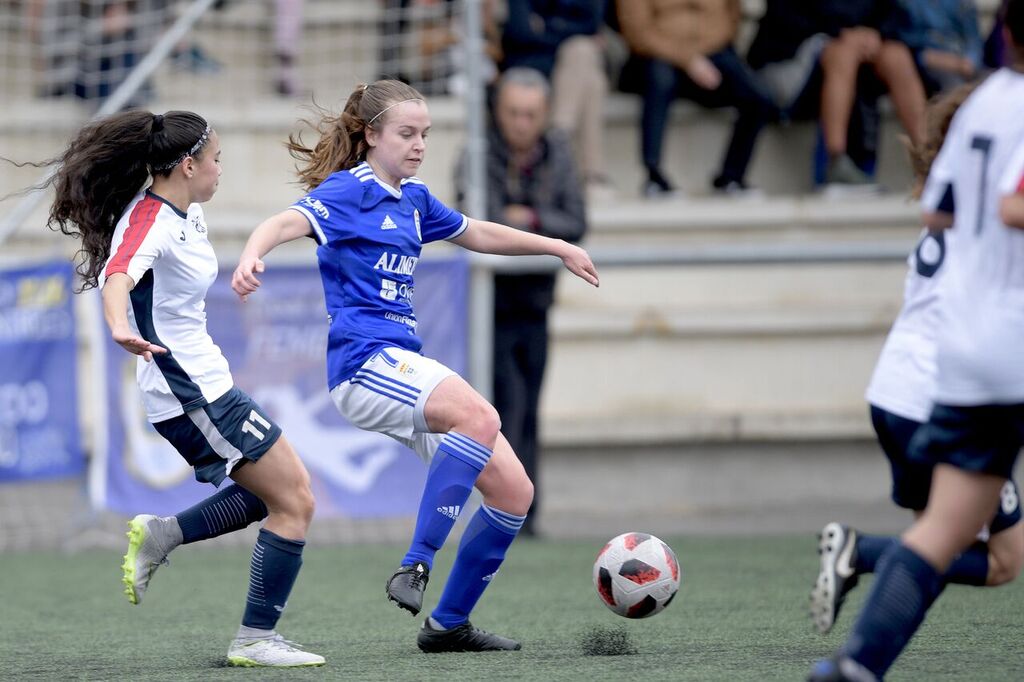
(197, 223)
(317, 207)
(406, 368)
(416, 220)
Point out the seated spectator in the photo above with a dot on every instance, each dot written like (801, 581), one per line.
(560, 39)
(815, 53)
(944, 38)
(531, 185)
(996, 51)
(686, 50)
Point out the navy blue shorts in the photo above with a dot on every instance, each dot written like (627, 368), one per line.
(219, 437)
(911, 479)
(983, 439)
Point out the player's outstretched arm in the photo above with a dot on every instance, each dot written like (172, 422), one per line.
(115, 311)
(1011, 210)
(486, 237)
(284, 227)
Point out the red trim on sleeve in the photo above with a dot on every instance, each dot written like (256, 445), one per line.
(142, 218)
(1020, 185)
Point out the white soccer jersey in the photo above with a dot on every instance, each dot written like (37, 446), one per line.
(169, 257)
(981, 330)
(903, 382)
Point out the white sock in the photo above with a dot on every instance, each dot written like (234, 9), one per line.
(245, 632)
(435, 625)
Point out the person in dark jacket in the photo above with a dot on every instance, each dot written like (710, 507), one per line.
(561, 39)
(532, 185)
(803, 47)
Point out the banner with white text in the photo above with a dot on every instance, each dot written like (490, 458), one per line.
(39, 435)
(276, 346)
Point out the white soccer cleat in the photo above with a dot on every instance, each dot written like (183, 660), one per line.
(150, 540)
(274, 652)
(837, 546)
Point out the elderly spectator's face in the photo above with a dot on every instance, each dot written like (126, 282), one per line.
(522, 114)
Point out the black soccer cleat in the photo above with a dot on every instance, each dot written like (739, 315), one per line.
(465, 637)
(837, 546)
(406, 587)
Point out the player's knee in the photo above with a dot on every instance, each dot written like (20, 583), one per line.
(1004, 567)
(482, 423)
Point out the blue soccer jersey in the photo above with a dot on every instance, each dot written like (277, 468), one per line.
(370, 236)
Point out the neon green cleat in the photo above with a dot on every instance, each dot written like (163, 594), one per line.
(271, 652)
(150, 540)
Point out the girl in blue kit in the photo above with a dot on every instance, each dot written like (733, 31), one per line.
(370, 218)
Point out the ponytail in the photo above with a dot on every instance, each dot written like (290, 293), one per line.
(107, 163)
(342, 139)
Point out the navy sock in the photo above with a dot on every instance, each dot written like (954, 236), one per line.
(905, 587)
(275, 564)
(484, 543)
(870, 549)
(229, 509)
(971, 567)
(453, 471)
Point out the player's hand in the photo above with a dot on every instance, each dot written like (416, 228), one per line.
(244, 280)
(702, 72)
(578, 262)
(136, 345)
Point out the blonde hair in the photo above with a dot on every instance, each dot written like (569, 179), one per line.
(342, 144)
(938, 117)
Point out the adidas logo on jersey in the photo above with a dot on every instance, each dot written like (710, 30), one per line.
(451, 512)
(388, 223)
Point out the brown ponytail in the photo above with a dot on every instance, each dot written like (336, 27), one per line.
(342, 144)
(938, 118)
(106, 164)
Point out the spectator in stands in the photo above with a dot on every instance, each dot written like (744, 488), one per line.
(561, 40)
(287, 40)
(805, 49)
(997, 51)
(531, 185)
(687, 50)
(944, 38)
(434, 35)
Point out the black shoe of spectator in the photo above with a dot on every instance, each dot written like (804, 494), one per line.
(657, 185)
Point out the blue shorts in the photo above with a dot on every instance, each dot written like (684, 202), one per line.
(983, 439)
(219, 437)
(911, 479)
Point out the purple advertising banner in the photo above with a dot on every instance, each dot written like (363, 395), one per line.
(276, 346)
(38, 375)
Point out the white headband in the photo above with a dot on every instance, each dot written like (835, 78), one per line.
(191, 152)
(391, 106)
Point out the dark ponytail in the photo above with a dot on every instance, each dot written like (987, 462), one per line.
(342, 144)
(105, 166)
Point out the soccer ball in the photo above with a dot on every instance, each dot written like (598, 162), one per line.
(636, 575)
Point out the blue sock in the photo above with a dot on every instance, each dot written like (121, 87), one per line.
(905, 587)
(227, 510)
(275, 564)
(453, 471)
(971, 567)
(870, 549)
(486, 539)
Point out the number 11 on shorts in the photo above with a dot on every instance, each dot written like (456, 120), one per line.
(250, 428)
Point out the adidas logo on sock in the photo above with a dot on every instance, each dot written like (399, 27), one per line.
(388, 223)
(451, 512)
(489, 578)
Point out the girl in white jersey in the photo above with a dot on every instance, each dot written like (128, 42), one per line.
(370, 217)
(976, 428)
(900, 396)
(145, 244)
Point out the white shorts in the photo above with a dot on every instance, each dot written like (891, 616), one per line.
(388, 394)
